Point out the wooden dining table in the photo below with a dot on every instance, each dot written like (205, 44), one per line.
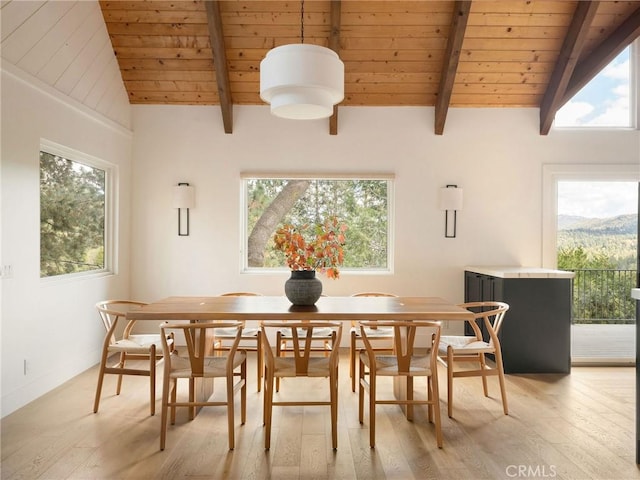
(279, 308)
(347, 309)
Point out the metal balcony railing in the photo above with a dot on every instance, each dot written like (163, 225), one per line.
(603, 296)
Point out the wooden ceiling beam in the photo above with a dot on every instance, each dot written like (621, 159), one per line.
(216, 36)
(334, 44)
(450, 67)
(603, 55)
(570, 52)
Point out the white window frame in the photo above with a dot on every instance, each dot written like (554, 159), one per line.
(551, 175)
(110, 201)
(389, 178)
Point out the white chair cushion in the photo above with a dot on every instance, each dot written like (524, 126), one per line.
(138, 344)
(466, 345)
(380, 332)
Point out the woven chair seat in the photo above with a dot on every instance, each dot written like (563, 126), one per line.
(213, 366)
(231, 332)
(387, 365)
(317, 332)
(465, 345)
(380, 332)
(139, 344)
(286, 367)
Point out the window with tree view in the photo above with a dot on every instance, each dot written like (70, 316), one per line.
(72, 216)
(361, 204)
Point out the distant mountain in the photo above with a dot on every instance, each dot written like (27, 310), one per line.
(614, 239)
(619, 225)
(565, 222)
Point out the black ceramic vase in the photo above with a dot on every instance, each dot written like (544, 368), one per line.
(303, 288)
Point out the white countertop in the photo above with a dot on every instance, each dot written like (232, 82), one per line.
(520, 272)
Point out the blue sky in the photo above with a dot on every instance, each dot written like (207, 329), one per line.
(602, 102)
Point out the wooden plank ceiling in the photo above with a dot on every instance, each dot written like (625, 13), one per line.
(516, 53)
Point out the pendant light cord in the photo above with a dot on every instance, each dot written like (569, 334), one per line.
(302, 21)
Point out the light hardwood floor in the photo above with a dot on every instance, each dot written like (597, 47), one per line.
(578, 426)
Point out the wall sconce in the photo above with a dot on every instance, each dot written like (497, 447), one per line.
(450, 201)
(183, 199)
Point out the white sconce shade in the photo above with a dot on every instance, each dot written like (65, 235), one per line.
(184, 198)
(451, 198)
(450, 201)
(302, 82)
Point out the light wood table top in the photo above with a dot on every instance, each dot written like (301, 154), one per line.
(279, 308)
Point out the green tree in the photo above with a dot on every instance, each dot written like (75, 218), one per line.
(361, 204)
(600, 289)
(571, 258)
(272, 214)
(72, 216)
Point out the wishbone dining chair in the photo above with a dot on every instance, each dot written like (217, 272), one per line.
(129, 346)
(305, 362)
(406, 360)
(374, 333)
(474, 349)
(198, 364)
(248, 333)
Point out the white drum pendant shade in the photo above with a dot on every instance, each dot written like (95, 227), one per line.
(302, 81)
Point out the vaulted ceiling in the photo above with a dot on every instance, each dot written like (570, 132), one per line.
(516, 53)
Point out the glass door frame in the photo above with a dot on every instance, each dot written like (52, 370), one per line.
(554, 173)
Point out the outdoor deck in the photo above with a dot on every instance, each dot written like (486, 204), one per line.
(604, 344)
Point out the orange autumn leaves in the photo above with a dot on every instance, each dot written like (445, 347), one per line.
(324, 253)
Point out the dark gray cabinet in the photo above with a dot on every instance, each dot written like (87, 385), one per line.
(536, 333)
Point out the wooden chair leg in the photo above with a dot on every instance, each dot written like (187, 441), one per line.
(123, 358)
(264, 397)
(409, 397)
(361, 393)
(230, 412)
(268, 410)
(259, 360)
(372, 410)
(450, 382)
(152, 380)
(163, 413)
(435, 397)
(352, 361)
(103, 365)
(279, 342)
(483, 367)
(503, 388)
(333, 389)
(430, 399)
(243, 393)
(174, 397)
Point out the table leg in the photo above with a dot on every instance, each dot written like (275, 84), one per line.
(403, 386)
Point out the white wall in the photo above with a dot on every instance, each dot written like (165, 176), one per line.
(496, 155)
(52, 325)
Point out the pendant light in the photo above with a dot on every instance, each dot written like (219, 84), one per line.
(302, 82)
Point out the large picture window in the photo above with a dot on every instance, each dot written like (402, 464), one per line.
(363, 204)
(73, 213)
